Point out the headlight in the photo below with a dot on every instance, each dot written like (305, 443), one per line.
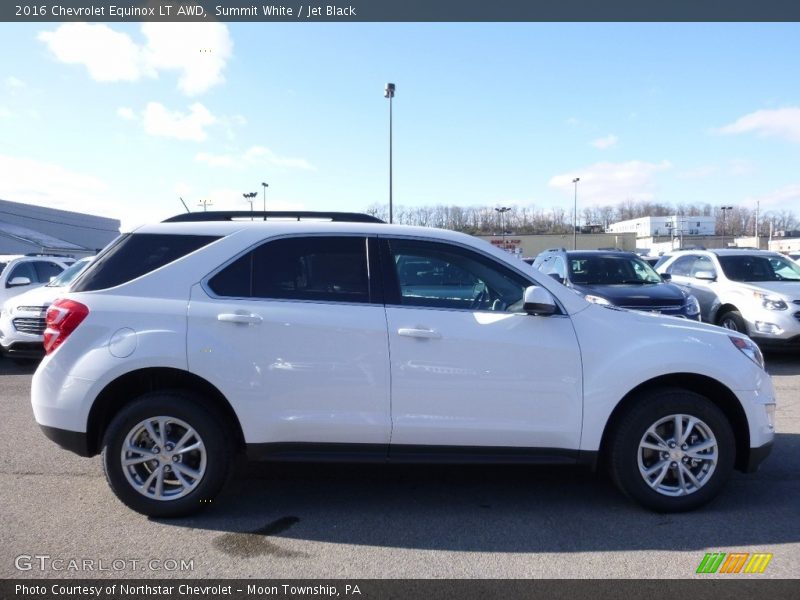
(692, 305)
(597, 299)
(749, 349)
(771, 302)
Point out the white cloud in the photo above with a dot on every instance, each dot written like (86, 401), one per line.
(605, 142)
(13, 83)
(786, 197)
(126, 113)
(612, 182)
(572, 122)
(181, 47)
(780, 122)
(159, 121)
(107, 54)
(253, 156)
(49, 184)
(198, 51)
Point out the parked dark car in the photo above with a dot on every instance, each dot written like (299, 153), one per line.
(619, 278)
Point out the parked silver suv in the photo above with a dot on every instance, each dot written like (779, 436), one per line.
(750, 291)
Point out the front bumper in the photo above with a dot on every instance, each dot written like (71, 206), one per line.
(757, 456)
(74, 441)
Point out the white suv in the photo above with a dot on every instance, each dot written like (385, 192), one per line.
(22, 318)
(751, 291)
(187, 342)
(20, 273)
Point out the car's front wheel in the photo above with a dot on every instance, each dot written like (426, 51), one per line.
(166, 455)
(672, 451)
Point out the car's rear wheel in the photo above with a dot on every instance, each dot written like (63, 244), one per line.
(672, 451)
(734, 321)
(166, 455)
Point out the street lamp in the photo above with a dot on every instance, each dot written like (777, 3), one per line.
(724, 210)
(388, 92)
(265, 186)
(249, 198)
(502, 210)
(575, 216)
(205, 204)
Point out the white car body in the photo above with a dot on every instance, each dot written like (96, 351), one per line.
(22, 318)
(13, 265)
(303, 379)
(770, 310)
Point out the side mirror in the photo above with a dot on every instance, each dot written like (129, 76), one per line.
(19, 281)
(666, 276)
(705, 275)
(557, 277)
(538, 301)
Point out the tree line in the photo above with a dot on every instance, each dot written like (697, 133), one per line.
(485, 220)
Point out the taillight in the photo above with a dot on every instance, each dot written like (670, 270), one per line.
(63, 317)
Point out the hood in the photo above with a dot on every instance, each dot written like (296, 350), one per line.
(790, 289)
(39, 296)
(644, 295)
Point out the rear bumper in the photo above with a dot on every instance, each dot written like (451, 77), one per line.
(74, 441)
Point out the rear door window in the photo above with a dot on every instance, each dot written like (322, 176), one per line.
(134, 255)
(330, 269)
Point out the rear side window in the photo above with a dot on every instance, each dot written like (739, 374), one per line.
(315, 268)
(134, 255)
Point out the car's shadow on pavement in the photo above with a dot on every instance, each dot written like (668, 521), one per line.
(491, 509)
(782, 363)
(17, 366)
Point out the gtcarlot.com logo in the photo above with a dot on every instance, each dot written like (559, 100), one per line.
(45, 562)
(735, 562)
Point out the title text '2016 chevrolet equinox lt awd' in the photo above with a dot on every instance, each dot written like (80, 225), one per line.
(337, 338)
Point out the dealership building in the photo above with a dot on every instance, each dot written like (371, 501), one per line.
(27, 229)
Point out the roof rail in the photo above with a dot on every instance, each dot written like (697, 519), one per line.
(243, 215)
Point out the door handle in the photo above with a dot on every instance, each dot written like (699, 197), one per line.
(239, 318)
(427, 334)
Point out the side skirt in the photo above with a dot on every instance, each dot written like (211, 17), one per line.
(384, 453)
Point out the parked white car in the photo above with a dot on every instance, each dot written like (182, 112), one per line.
(22, 318)
(187, 342)
(751, 291)
(20, 273)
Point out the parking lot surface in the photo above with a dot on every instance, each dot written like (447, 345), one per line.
(346, 521)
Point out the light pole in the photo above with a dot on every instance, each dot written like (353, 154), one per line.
(205, 204)
(575, 216)
(502, 210)
(249, 198)
(388, 92)
(724, 210)
(265, 186)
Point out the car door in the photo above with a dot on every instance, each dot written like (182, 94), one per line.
(293, 333)
(468, 368)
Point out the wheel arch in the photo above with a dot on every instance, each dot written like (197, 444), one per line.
(706, 386)
(721, 310)
(124, 389)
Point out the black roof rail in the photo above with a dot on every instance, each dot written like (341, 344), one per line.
(243, 215)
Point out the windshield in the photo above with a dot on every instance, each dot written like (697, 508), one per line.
(759, 268)
(70, 273)
(609, 269)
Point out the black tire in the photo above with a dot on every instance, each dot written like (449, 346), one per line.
(180, 407)
(625, 458)
(734, 321)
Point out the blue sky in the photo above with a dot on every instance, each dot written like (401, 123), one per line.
(121, 119)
